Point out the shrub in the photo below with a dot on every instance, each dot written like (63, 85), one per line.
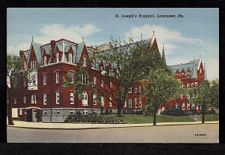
(94, 119)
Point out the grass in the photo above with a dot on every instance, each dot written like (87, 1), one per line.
(149, 119)
(211, 117)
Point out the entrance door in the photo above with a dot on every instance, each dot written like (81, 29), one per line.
(34, 115)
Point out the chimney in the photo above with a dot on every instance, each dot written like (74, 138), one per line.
(52, 50)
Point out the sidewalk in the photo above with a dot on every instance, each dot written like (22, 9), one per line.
(75, 126)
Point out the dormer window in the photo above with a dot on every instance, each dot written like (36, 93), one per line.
(84, 61)
(70, 57)
(57, 57)
(45, 60)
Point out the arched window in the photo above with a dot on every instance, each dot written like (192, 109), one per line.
(84, 98)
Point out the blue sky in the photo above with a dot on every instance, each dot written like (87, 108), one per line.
(194, 35)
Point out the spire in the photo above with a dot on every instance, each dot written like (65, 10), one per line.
(32, 39)
(163, 55)
(141, 36)
(153, 33)
(83, 39)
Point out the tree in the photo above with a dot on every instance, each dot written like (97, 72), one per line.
(16, 78)
(14, 67)
(160, 86)
(214, 94)
(129, 64)
(201, 96)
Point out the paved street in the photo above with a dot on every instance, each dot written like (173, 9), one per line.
(207, 133)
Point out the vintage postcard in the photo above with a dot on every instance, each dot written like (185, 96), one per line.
(113, 75)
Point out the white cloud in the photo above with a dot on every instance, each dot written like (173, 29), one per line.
(55, 32)
(164, 35)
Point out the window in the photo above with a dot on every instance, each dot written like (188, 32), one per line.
(70, 57)
(71, 97)
(84, 61)
(94, 80)
(139, 89)
(71, 112)
(125, 104)
(45, 79)
(192, 84)
(57, 57)
(140, 102)
(45, 60)
(200, 70)
(135, 102)
(135, 89)
(110, 85)
(57, 98)
(25, 65)
(45, 112)
(57, 77)
(84, 98)
(84, 79)
(15, 101)
(188, 106)
(130, 103)
(130, 90)
(70, 77)
(31, 64)
(24, 99)
(183, 106)
(102, 83)
(188, 85)
(58, 112)
(110, 101)
(44, 99)
(102, 101)
(196, 84)
(176, 105)
(33, 99)
(94, 99)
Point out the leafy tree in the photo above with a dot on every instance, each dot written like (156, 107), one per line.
(201, 96)
(160, 86)
(129, 64)
(17, 77)
(14, 67)
(214, 94)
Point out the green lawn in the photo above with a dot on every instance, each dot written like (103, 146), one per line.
(149, 119)
(211, 117)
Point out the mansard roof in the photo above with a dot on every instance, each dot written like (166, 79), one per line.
(193, 66)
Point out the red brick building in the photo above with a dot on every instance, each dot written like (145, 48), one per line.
(191, 75)
(45, 98)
